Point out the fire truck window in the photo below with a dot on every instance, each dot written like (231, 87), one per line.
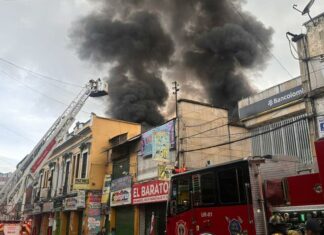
(228, 186)
(208, 190)
(183, 195)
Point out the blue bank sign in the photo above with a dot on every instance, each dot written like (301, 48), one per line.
(272, 102)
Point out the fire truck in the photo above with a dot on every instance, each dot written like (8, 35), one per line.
(12, 195)
(243, 196)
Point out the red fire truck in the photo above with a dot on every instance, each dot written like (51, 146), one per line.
(242, 196)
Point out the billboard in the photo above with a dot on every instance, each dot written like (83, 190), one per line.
(147, 137)
(161, 146)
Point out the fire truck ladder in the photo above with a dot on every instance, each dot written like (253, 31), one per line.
(12, 193)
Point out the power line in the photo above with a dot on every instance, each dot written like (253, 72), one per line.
(199, 133)
(35, 90)
(262, 43)
(38, 74)
(244, 138)
(205, 123)
(16, 133)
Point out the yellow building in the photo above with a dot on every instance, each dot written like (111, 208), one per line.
(70, 183)
(122, 167)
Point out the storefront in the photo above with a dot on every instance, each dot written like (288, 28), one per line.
(122, 212)
(68, 215)
(47, 218)
(151, 197)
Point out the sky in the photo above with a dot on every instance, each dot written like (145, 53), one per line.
(35, 36)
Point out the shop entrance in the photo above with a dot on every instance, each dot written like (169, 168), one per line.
(124, 220)
(159, 210)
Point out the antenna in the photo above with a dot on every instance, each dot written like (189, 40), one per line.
(306, 10)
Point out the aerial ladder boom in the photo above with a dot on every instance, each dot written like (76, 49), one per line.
(12, 193)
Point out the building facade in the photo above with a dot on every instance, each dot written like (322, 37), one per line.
(286, 119)
(66, 197)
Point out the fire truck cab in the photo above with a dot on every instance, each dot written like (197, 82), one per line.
(241, 197)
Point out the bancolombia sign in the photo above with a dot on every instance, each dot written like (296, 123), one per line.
(272, 102)
(153, 191)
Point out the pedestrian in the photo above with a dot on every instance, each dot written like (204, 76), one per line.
(312, 227)
(102, 232)
(277, 225)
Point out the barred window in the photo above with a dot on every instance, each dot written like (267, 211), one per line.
(291, 139)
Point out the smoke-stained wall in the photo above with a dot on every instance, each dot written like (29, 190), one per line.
(201, 43)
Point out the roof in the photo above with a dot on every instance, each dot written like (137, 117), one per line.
(116, 120)
(128, 141)
(200, 103)
(314, 18)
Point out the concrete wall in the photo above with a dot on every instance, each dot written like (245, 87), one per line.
(203, 125)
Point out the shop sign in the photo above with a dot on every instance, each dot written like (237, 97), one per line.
(70, 203)
(272, 102)
(37, 209)
(48, 207)
(153, 191)
(58, 203)
(320, 124)
(147, 137)
(121, 183)
(161, 146)
(121, 197)
(82, 184)
(81, 199)
(12, 229)
(106, 189)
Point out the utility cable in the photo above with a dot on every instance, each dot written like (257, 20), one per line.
(199, 133)
(38, 74)
(205, 123)
(36, 91)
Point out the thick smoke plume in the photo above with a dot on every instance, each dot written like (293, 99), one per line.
(213, 40)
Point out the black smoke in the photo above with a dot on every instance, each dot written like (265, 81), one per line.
(139, 48)
(214, 40)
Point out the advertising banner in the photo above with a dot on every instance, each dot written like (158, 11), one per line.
(70, 203)
(48, 206)
(147, 138)
(12, 229)
(161, 146)
(106, 189)
(148, 192)
(121, 197)
(121, 183)
(94, 224)
(164, 171)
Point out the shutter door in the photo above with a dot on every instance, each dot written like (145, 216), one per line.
(125, 220)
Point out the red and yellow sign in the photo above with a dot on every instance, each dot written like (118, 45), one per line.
(152, 191)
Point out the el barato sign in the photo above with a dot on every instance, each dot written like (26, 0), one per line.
(152, 191)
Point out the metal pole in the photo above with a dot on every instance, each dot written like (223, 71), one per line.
(175, 92)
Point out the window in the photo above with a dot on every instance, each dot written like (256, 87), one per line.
(183, 194)
(84, 165)
(228, 187)
(208, 188)
(67, 173)
(77, 166)
(120, 168)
